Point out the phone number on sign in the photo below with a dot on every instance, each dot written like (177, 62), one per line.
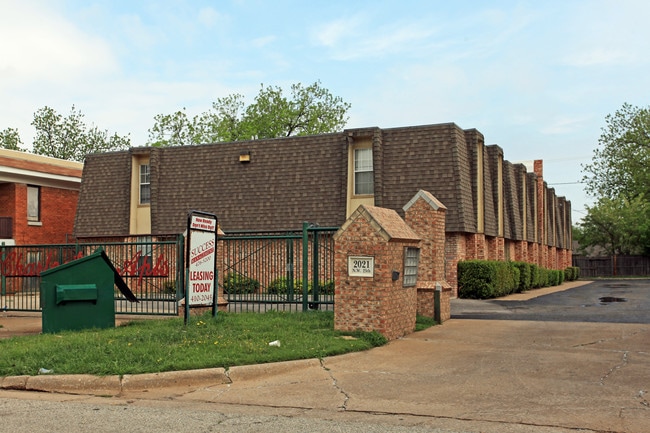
(201, 298)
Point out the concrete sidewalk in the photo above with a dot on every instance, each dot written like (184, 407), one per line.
(510, 375)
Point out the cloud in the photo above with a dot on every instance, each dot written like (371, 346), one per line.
(209, 17)
(39, 44)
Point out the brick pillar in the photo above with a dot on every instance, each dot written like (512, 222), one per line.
(539, 171)
(426, 216)
(455, 251)
(520, 251)
(476, 246)
(374, 297)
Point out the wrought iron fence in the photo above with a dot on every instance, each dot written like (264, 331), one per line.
(151, 266)
(289, 270)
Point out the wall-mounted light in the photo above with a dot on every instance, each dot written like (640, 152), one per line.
(395, 276)
(245, 156)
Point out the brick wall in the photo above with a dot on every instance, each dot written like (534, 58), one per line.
(455, 251)
(374, 303)
(58, 207)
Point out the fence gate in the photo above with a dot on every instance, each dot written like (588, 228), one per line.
(150, 266)
(289, 271)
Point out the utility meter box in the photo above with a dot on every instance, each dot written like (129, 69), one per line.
(80, 294)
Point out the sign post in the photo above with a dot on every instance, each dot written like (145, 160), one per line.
(201, 260)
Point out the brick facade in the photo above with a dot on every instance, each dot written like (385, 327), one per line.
(380, 302)
(495, 209)
(58, 185)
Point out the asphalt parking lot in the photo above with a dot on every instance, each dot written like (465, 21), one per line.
(602, 301)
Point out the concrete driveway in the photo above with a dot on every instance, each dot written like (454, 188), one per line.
(553, 360)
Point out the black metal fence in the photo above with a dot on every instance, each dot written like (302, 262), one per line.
(151, 266)
(612, 266)
(279, 270)
(289, 270)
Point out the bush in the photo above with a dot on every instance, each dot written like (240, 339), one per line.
(535, 277)
(326, 287)
(234, 283)
(525, 276)
(481, 279)
(553, 277)
(571, 273)
(280, 286)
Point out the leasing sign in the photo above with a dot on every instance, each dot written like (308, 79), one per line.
(201, 259)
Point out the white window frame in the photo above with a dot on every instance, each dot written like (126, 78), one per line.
(33, 203)
(363, 168)
(145, 184)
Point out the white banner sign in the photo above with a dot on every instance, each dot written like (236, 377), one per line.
(202, 260)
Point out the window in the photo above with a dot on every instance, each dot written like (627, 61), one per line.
(33, 203)
(145, 184)
(144, 252)
(411, 260)
(363, 172)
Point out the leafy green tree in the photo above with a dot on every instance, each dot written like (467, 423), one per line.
(621, 160)
(618, 177)
(10, 139)
(616, 226)
(309, 110)
(69, 137)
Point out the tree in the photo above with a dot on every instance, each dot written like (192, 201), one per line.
(310, 110)
(618, 177)
(69, 137)
(617, 226)
(620, 163)
(10, 139)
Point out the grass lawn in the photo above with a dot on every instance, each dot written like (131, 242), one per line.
(149, 346)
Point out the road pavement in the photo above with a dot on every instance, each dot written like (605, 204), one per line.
(548, 361)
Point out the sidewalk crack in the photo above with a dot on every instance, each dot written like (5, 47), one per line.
(346, 397)
(615, 368)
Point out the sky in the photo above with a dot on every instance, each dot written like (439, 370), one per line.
(536, 78)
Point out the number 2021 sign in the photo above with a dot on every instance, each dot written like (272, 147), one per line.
(361, 266)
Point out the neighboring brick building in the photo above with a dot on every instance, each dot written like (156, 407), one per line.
(38, 198)
(495, 209)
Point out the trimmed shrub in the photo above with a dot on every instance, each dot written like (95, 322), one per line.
(326, 287)
(571, 273)
(280, 286)
(481, 279)
(525, 276)
(234, 283)
(553, 277)
(535, 277)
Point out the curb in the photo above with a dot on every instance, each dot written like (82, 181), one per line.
(87, 384)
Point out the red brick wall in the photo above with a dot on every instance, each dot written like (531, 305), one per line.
(376, 303)
(429, 224)
(58, 207)
(455, 251)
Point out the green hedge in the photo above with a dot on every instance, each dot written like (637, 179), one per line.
(525, 276)
(234, 283)
(572, 273)
(280, 286)
(482, 279)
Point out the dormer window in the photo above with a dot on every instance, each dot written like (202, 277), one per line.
(145, 184)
